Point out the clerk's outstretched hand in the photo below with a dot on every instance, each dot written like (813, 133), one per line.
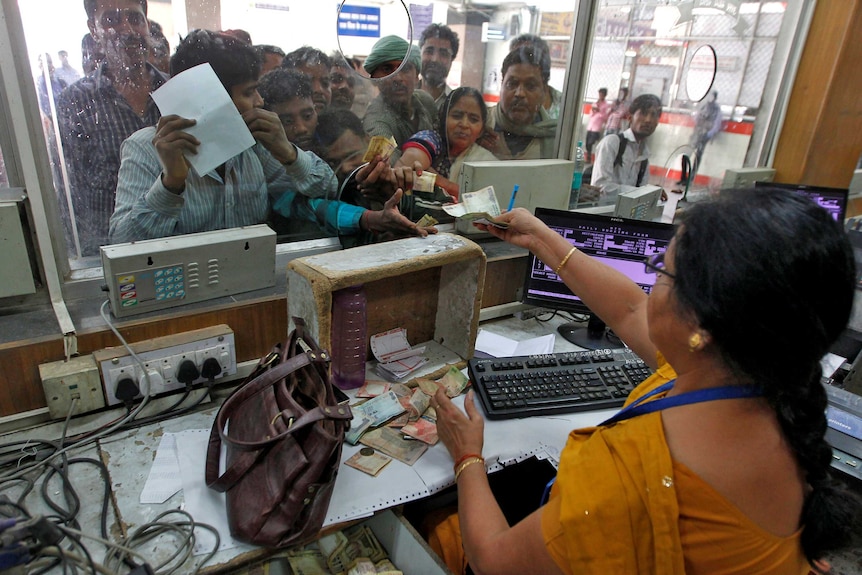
(462, 433)
(391, 221)
(525, 229)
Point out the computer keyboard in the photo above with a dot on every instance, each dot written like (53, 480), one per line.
(556, 383)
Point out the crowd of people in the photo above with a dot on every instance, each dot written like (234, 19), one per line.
(107, 120)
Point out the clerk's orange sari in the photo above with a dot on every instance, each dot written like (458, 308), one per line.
(621, 505)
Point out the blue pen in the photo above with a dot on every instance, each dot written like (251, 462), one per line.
(512, 199)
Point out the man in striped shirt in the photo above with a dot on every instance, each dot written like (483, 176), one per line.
(159, 194)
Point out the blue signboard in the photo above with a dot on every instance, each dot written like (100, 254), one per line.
(359, 21)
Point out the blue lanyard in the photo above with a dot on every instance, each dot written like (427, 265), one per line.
(638, 407)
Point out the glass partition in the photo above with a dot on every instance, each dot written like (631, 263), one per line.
(645, 46)
(714, 66)
(84, 137)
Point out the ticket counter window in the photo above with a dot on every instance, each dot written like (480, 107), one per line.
(639, 45)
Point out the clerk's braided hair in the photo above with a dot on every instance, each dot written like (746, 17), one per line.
(770, 275)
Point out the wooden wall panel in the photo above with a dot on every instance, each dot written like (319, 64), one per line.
(256, 324)
(821, 139)
(503, 280)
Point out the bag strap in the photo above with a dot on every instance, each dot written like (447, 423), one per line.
(621, 149)
(618, 161)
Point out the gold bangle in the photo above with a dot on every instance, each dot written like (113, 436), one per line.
(565, 259)
(467, 464)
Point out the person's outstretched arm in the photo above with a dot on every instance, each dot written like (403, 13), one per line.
(618, 301)
(490, 544)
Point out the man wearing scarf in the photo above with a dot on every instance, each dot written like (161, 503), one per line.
(400, 110)
(519, 127)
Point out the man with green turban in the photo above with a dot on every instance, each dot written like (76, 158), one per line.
(400, 110)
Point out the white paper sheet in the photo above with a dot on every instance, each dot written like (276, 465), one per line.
(501, 346)
(831, 362)
(204, 504)
(164, 477)
(669, 210)
(198, 94)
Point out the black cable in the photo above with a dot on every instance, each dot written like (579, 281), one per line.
(13, 454)
(71, 496)
(29, 485)
(17, 506)
(135, 423)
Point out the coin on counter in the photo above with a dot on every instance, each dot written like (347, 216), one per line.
(366, 451)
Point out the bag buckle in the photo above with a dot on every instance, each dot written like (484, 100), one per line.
(269, 359)
(279, 414)
(305, 347)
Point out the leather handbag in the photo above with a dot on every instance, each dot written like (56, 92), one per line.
(283, 428)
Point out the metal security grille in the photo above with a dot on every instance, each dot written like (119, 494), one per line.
(626, 49)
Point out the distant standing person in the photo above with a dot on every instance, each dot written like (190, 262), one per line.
(342, 83)
(596, 125)
(439, 46)
(160, 49)
(622, 160)
(707, 124)
(619, 114)
(519, 127)
(271, 57)
(66, 72)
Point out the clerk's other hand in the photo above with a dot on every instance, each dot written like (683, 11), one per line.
(172, 143)
(462, 433)
(267, 129)
(390, 220)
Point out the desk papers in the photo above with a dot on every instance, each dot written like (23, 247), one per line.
(164, 479)
(396, 358)
(501, 346)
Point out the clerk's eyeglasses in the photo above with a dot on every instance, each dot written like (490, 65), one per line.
(113, 18)
(655, 265)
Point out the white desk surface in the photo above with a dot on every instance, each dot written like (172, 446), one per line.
(129, 455)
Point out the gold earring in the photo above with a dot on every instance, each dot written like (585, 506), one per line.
(694, 342)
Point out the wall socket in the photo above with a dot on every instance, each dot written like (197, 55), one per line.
(74, 381)
(163, 360)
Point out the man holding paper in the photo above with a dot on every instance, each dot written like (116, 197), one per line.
(169, 183)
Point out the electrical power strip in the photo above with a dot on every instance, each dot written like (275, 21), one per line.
(163, 360)
(161, 273)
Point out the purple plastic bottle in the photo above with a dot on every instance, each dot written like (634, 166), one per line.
(348, 337)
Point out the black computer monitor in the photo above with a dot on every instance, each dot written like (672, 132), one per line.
(833, 200)
(620, 243)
